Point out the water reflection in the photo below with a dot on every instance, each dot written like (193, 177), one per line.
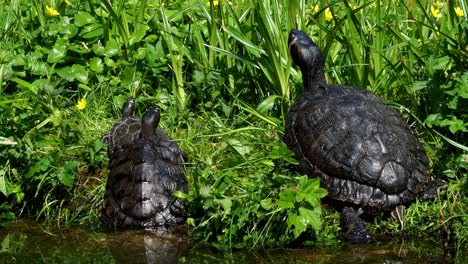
(153, 246)
(27, 242)
(385, 251)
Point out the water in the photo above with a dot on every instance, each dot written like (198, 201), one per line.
(27, 242)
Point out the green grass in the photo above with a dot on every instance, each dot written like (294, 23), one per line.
(222, 74)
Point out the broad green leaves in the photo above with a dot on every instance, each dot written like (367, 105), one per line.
(66, 174)
(248, 197)
(453, 114)
(303, 205)
(44, 169)
(76, 72)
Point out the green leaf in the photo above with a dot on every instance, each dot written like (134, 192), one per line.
(440, 63)
(66, 174)
(80, 73)
(99, 49)
(98, 145)
(83, 18)
(66, 178)
(267, 104)
(44, 85)
(96, 65)
(39, 68)
(311, 191)
(71, 165)
(140, 54)
(281, 151)
(454, 124)
(30, 86)
(57, 52)
(267, 162)
(75, 72)
(242, 149)
(432, 119)
(419, 85)
(112, 48)
(299, 224)
(137, 35)
(128, 76)
(40, 166)
(266, 204)
(66, 73)
(109, 62)
(461, 87)
(311, 217)
(158, 50)
(92, 31)
(68, 30)
(287, 199)
(7, 216)
(226, 204)
(198, 76)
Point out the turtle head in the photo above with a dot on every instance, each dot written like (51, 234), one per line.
(150, 121)
(129, 107)
(308, 57)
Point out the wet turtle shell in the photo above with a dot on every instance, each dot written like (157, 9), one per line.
(362, 150)
(146, 167)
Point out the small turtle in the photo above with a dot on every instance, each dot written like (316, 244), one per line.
(362, 150)
(146, 167)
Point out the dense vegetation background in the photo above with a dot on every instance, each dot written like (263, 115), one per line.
(221, 72)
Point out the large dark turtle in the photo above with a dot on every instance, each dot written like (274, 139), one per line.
(362, 150)
(146, 167)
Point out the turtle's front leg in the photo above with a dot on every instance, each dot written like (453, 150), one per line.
(354, 229)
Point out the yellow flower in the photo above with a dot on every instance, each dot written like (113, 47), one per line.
(435, 12)
(51, 11)
(459, 11)
(81, 104)
(315, 9)
(439, 3)
(328, 14)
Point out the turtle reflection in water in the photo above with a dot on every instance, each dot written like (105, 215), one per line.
(364, 153)
(146, 168)
(159, 245)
